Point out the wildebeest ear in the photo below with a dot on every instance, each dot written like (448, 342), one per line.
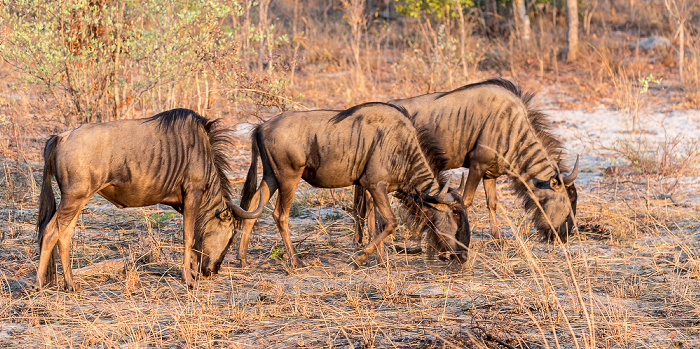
(224, 215)
(554, 182)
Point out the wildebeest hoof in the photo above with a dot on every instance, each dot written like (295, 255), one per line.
(33, 287)
(297, 263)
(460, 257)
(359, 260)
(191, 282)
(358, 245)
(353, 266)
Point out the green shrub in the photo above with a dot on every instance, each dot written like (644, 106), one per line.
(103, 59)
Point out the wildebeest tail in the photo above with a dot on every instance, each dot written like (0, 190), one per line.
(251, 179)
(47, 201)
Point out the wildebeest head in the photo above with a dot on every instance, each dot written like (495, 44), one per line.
(555, 196)
(217, 227)
(445, 218)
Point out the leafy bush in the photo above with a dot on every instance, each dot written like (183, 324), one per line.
(102, 59)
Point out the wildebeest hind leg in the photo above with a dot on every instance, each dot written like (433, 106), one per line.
(46, 250)
(281, 215)
(268, 186)
(64, 241)
(381, 202)
(58, 233)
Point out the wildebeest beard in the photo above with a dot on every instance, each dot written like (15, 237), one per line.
(436, 220)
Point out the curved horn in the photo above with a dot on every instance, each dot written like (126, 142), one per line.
(241, 213)
(443, 192)
(568, 179)
(462, 183)
(426, 192)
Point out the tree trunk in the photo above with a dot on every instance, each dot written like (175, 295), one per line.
(523, 22)
(681, 51)
(572, 32)
(490, 17)
(462, 40)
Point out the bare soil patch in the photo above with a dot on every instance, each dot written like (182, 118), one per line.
(629, 277)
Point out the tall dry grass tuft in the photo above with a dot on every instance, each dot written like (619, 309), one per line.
(355, 14)
(691, 75)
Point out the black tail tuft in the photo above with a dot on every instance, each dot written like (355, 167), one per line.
(251, 179)
(47, 203)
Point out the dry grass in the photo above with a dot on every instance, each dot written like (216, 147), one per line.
(629, 279)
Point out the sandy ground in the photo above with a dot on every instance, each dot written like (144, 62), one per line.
(630, 278)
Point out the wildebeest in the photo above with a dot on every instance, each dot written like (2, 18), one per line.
(491, 129)
(372, 144)
(175, 158)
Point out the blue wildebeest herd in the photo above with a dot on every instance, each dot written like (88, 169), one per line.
(403, 147)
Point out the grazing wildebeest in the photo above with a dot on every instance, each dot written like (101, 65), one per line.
(175, 158)
(491, 129)
(372, 144)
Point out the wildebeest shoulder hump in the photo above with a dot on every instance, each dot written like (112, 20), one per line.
(506, 84)
(351, 111)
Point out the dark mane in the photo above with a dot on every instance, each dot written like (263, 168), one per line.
(543, 127)
(352, 110)
(432, 150)
(219, 139)
(178, 118)
(506, 84)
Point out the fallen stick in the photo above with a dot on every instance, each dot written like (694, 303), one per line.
(109, 266)
(488, 337)
(408, 250)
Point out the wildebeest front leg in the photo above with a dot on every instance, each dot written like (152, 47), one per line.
(190, 210)
(381, 202)
(476, 173)
(359, 213)
(268, 186)
(364, 215)
(374, 223)
(491, 202)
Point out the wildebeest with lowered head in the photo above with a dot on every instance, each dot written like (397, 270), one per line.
(491, 129)
(372, 144)
(174, 158)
